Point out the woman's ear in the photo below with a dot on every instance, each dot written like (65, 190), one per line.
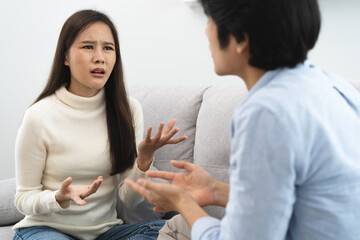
(66, 62)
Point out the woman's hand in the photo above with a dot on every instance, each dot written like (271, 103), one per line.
(76, 193)
(149, 145)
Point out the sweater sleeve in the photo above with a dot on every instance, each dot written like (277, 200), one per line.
(129, 197)
(30, 161)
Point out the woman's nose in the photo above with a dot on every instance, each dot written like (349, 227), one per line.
(99, 57)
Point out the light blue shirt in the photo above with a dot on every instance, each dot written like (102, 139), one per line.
(295, 161)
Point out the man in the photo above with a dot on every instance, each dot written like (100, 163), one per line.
(295, 161)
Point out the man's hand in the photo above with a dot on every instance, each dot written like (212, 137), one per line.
(76, 193)
(167, 197)
(196, 181)
(163, 195)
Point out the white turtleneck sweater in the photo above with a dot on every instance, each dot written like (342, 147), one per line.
(66, 135)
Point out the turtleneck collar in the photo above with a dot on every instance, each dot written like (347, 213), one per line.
(79, 102)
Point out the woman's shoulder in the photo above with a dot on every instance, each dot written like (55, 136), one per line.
(134, 104)
(38, 109)
(43, 104)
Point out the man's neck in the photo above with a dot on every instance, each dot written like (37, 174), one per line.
(251, 76)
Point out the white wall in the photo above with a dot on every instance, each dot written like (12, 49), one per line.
(162, 42)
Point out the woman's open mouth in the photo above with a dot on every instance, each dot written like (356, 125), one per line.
(98, 72)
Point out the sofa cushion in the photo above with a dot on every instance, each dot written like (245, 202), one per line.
(212, 141)
(163, 103)
(6, 233)
(8, 212)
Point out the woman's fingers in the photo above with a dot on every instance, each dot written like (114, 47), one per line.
(176, 140)
(148, 134)
(170, 125)
(78, 200)
(159, 131)
(77, 193)
(66, 183)
(93, 188)
(163, 136)
(172, 133)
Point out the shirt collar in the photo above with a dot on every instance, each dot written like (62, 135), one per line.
(268, 77)
(79, 102)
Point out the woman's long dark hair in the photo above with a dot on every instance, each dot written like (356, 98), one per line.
(120, 126)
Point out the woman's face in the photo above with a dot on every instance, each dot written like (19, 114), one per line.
(91, 59)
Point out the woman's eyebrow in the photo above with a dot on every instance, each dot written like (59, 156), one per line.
(109, 43)
(93, 42)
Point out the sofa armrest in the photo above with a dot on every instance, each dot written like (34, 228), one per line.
(8, 212)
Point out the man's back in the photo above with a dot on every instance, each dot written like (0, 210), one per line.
(295, 163)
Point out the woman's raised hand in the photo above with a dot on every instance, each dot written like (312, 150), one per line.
(149, 145)
(76, 193)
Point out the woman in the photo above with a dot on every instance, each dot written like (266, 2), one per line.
(82, 132)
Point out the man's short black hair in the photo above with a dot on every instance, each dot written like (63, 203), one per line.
(281, 32)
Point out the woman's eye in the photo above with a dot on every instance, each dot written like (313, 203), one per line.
(87, 47)
(108, 48)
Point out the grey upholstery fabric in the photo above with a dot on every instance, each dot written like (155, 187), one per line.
(8, 212)
(163, 103)
(6, 233)
(212, 141)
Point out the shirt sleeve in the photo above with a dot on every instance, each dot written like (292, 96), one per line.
(262, 179)
(30, 158)
(206, 228)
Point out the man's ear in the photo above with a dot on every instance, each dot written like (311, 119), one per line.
(243, 45)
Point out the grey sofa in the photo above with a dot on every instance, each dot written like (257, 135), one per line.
(203, 114)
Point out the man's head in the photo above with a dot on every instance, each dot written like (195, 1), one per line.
(279, 32)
